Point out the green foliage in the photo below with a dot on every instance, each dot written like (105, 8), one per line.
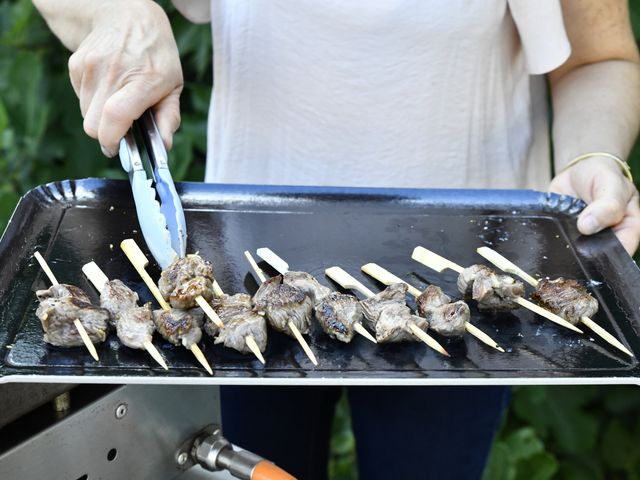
(41, 134)
(576, 433)
(342, 462)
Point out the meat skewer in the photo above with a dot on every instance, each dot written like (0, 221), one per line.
(500, 292)
(134, 325)
(189, 281)
(297, 306)
(340, 313)
(394, 295)
(387, 278)
(78, 324)
(565, 297)
(177, 326)
(236, 314)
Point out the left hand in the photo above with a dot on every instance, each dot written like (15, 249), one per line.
(612, 200)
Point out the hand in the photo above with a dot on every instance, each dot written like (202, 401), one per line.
(612, 200)
(127, 63)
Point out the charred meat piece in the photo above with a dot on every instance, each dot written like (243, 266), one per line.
(62, 290)
(566, 298)
(239, 320)
(445, 317)
(117, 297)
(185, 279)
(58, 314)
(308, 284)
(179, 327)
(388, 315)
(337, 313)
(134, 326)
(282, 304)
(492, 291)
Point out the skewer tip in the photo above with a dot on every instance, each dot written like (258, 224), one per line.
(201, 358)
(253, 346)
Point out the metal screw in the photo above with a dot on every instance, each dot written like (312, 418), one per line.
(182, 458)
(121, 410)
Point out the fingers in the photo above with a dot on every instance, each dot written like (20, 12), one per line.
(167, 115)
(600, 214)
(125, 106)
(628, 231)
(610, 193)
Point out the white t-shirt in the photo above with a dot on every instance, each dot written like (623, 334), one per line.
(390, 93)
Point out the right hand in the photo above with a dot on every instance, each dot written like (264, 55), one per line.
(127, 63)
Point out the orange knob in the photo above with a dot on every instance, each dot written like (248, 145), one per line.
(266, 470)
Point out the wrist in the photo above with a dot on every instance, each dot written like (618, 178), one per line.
(600, 160)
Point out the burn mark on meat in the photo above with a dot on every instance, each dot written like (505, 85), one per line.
(239, 320)
(179, 327)
(446, 317)
(388, 315)
(185, 279)
(63, 290)
(566, 298)
(492, 291)
(282, 304)
(337, 313)
(308, 284)
(57, 315)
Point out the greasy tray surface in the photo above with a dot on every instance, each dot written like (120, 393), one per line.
(72, 223)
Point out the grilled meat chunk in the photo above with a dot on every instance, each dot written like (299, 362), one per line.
(337, 313)
(179, 327)
(58, 314)
(492, 291)
(388, 315)
(308, 284)
(239, 321)
(62, 290)
(282, 304)
(117, 297)
(566, 298)
(445, 317)
(135, 327)
(185, 279)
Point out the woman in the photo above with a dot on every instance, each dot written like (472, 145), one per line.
(395, 93)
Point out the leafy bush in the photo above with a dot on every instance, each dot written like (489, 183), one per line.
(565, 432)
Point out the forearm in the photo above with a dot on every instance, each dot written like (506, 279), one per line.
(72, 20)
(596, 108)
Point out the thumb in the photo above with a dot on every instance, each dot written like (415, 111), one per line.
(609, 199)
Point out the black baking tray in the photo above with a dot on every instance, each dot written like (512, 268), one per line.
(73, 222)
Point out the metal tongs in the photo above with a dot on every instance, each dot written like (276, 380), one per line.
(158, 205)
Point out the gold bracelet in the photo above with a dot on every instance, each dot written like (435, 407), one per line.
(623, 165)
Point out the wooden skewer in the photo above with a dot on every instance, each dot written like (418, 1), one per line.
(249, 340)
(387, 278)
(139, 262)
(345, 280)
(97, 277)
(303, 343)
(438, 263)
(282, 267)
(81, 330)
(504, 264)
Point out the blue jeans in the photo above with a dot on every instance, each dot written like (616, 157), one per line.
(401, 432)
